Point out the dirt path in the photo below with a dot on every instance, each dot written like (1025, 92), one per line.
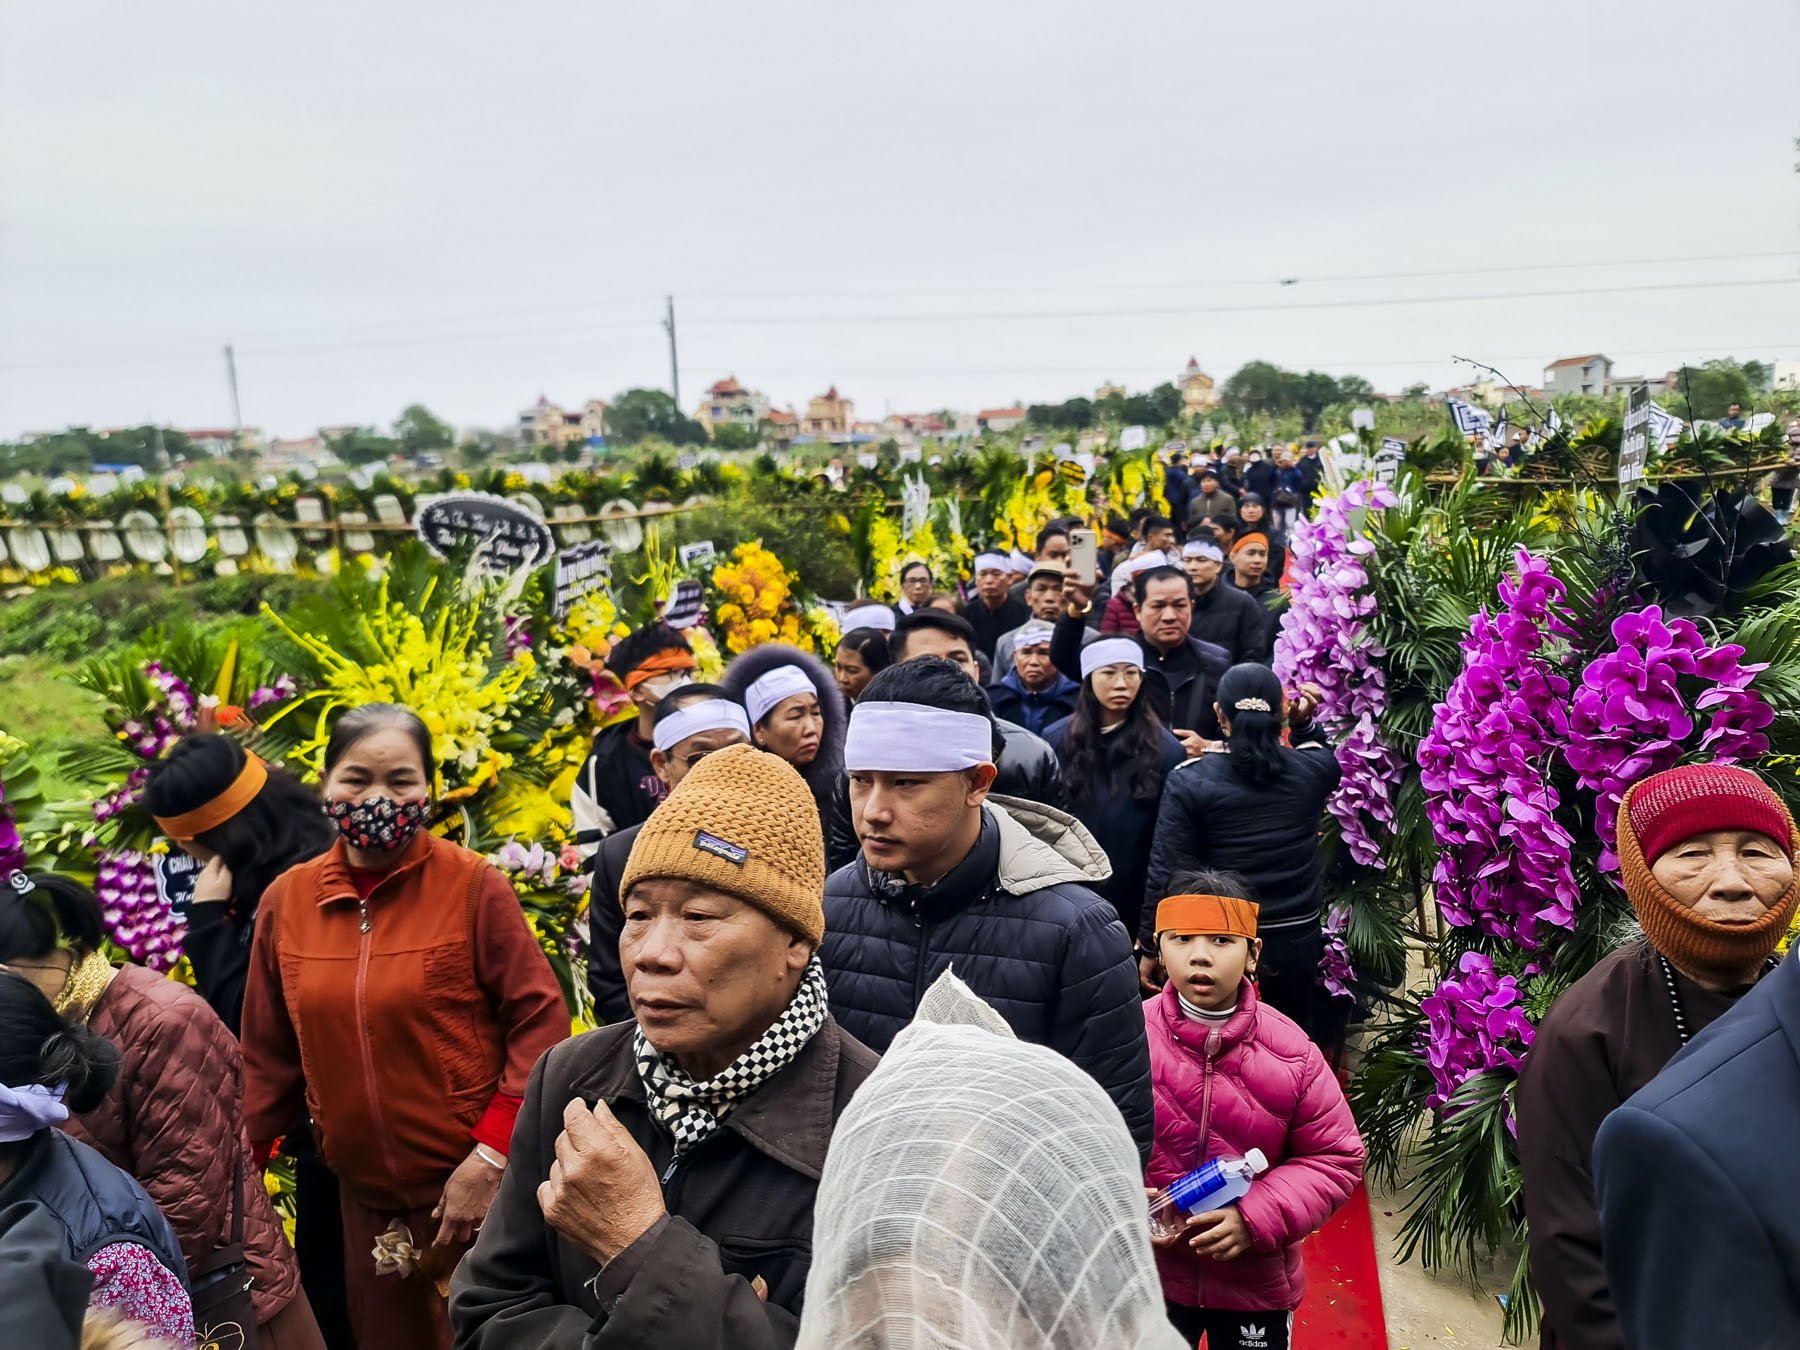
(1425, 1309)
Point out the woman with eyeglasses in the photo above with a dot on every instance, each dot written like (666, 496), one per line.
(1255, 809)
(1115, 755)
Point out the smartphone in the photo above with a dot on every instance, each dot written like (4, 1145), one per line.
(1084, 556)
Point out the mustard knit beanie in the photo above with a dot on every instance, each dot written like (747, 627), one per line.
(743, 822)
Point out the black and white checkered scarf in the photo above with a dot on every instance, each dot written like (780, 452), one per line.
(690, 1111)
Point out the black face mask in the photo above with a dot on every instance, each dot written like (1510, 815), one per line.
(378, 824)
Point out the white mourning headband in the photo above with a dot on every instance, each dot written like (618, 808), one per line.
(869, 616)
(780, 683)
(1111, 652)
(993, 562)
(712, 714)
(915, 738)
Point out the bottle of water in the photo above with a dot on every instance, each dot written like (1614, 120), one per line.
(1223, 1181)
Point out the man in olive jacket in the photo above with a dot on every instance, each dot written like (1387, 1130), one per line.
(660, 1188)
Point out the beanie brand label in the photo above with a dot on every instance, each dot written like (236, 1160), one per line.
(719, 848)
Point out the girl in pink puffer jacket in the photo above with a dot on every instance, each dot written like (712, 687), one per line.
(1231, 1074)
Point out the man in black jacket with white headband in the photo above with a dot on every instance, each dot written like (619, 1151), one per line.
(999, 888)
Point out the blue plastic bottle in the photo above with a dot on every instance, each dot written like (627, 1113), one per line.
(1222, 1182)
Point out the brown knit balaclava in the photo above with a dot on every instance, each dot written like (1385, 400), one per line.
(1698, 945)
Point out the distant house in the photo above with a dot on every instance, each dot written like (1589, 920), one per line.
(784, 425)
(728, 403)
(1108, 389)
(1000, 419)
(828, 414)
(1197, 392)
(549, 424)
(1579, 375)
(212, 441)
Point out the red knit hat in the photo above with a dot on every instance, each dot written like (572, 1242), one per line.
(1678, 804)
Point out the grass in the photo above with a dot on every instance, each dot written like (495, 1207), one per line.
(47, 712)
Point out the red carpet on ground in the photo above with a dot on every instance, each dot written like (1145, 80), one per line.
(1343, 1284)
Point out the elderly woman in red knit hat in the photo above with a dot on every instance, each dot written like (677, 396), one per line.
(1706, 855)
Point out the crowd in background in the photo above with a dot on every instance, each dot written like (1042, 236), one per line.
(917, 974)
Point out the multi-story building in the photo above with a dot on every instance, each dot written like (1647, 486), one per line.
(1579, 375)
(728, 403)
(1198, 395)
(828, 414)
(548, 424)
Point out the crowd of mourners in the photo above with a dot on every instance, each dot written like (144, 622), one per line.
(918, 976)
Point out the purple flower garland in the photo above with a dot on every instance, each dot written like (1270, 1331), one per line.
(1504, 867)
(1475, 1023)
(1324, 640)
(1630, 718)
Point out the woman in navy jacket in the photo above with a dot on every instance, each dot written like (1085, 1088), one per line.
(1255, 810)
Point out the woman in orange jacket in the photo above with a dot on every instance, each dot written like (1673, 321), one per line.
(397, 995)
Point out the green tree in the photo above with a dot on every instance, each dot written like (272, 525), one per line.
(1712, 388)
(1354, 389)
(418, 430)
(736, 436)
(363, 445)
(1077, 414)
(638, 414)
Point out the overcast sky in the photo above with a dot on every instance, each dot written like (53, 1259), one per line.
(469, 204)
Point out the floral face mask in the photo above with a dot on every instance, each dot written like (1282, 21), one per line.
(378, 824)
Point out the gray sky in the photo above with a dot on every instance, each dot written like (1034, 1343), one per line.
(468, 204)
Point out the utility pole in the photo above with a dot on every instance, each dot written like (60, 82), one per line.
(237, 413)
(674, 365)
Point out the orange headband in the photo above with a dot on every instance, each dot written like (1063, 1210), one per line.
(1245, 541)
(210, 815)
(1191, 914)
(676, 661)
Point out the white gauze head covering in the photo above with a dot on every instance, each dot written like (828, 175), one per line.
(710, 714)
(980, 1193)
(915, 738)
(869, 616)
(1202, 548)
(783, 682)
(1019, 561)
(1115, 651)
(992, 562)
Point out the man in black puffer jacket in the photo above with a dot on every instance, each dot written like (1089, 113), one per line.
(1001, 890)
(1027, 766)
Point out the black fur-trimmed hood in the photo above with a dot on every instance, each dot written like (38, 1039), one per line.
(822, 774)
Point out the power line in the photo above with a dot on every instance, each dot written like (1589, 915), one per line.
(588, 331)
(378, 326)
(1300, 279)
(1180, 311)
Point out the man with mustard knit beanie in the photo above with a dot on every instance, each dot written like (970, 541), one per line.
(661, 1182)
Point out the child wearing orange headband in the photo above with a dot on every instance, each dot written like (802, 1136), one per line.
(1232, 1074)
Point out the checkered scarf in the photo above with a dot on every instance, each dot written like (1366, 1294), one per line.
(691, 1111)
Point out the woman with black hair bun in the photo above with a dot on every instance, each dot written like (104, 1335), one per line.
(174, 1117)
(862, 654)
(106, 1221)
(1255, 808)
(246, 822)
